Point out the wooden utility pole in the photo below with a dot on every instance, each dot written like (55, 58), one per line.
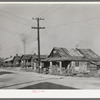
(38, 37)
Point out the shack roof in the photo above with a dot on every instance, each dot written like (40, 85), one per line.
(24, 57)
(73, 52)
(72, 55)
(31, 56)
(17, 58)
(88, 53)
(67, 52)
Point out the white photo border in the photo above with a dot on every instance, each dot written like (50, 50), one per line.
(4, 93)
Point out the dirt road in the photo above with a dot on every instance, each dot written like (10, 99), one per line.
(30, 80)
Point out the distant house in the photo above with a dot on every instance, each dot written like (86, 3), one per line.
(8, 62)
(62, 60)
(16, 61)
(31, 60)
(26, 60)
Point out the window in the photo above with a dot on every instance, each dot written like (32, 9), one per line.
(77, 63)
(54, 52)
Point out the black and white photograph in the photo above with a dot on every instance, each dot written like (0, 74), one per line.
(49, 46)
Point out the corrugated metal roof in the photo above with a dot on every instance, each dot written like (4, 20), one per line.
(68, 52)
(88, 53)
(74, 54)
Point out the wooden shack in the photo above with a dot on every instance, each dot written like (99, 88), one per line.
(62, 60)
(31, 60)
(8, 62)
(16, 61)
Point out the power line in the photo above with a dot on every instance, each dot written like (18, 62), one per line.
(78, 21)
(44, 11)
(74, 22)
(49, 12)
(49, 8)
(10, 17)
(3, 16)
(39, 15)
(14, 15)
(38, 35)
(54, 8)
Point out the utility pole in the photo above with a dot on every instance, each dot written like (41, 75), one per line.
(38, 37)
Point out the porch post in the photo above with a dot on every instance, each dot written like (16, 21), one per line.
(50, 67)
(34, 66)
(27, 63)
(60, 65)
(50, 63)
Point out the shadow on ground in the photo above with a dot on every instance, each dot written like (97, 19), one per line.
(47, 85)
(4, 72)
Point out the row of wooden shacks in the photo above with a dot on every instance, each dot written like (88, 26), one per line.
(60, 61)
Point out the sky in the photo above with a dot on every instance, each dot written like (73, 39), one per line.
(66, 25)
